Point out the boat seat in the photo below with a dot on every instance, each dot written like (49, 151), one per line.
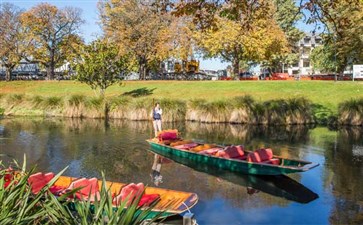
(211, 151)
(273, 161)
(38, 180)
(180, 142)
(186, 146)
(234, 152)
(132, 191)
(89, 189)
(8, 177)
(200, 148)
(263, 156)
(168, 135)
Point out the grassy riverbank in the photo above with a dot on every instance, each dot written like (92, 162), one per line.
(326, 93)
(255, 102)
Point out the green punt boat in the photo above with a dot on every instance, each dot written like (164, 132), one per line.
(285, 166)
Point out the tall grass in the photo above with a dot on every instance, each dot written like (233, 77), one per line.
(53, 102)
(76, 100)
(174, 110)
(246, 110)
(15, 98)
(240, 109)
(351, 112)
(209, 111)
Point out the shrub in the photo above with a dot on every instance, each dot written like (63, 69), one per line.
(116, 102)
(52, 102)
(173, 110)
(15, 98)
(2, 111)
(76, 100)
(351, 112)
(244, 102)
(37, 100)
(95, 103)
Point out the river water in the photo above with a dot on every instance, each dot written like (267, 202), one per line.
(329, 194)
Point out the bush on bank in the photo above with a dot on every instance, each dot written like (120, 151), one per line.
(351, 112)
(239, 110)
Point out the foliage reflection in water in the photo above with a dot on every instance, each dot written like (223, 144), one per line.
(119, 148)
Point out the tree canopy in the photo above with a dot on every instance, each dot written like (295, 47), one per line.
(243, 31)
(52, 32)
(11, 37)
(100, 65)
(343, 37)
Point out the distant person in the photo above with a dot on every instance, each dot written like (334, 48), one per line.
(156, 114)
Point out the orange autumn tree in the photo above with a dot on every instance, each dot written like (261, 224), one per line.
(53, 33)
(139, 29)
(243, 31)
(12, 41)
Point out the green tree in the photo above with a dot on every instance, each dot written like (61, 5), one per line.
(11, 37)
(52, 32)
(100, 65)
(323, 58)
(343, 34)
(287, 15)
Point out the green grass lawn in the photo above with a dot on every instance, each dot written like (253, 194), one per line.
(326, 93)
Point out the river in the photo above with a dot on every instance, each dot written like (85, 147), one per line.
(331, 193)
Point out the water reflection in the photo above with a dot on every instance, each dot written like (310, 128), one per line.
(119, 149)
(280, 186)
(155, 170)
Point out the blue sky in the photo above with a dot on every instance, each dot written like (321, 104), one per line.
(90, 29)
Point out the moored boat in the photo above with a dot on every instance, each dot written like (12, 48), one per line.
(165, 201)
(233, 158)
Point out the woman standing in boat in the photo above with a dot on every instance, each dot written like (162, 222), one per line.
(156, 114)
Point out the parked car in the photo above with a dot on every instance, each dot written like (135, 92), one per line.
(264, 75)
(246, 75)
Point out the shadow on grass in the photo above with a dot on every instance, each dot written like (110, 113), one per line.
(139, 92)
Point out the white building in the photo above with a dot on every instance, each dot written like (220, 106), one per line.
(305, 46)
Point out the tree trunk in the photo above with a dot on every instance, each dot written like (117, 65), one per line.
(235, 65)
(50, 73)
(142, 68)
(51, 66)
(8, 74)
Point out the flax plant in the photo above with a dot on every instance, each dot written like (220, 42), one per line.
(20, 206)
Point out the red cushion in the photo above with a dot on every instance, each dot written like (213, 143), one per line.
(272, 161)
(147, 199)
(8, 177)
(210, 151)
(234, 151)
(129, 192)
(56, 189)
(168, 136)
(38, 180)
(89, 187)
(265, 154)
(186, 146)
(253, 157)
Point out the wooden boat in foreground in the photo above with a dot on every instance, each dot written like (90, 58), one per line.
(233, 158)
(169, 202)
